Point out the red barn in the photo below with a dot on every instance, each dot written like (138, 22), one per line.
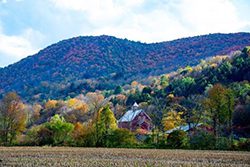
(135, 119)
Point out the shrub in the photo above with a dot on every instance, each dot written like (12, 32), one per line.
(202, 140)
(178, 139)
(244, 144)
(121, 138)
(45, 136)
(223, 143)
(31, 137)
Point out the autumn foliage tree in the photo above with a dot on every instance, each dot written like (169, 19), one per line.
(105, 122)
(220, 104)
(172, 119)
(12, 118)
(78, 133)
(76, 110)
(95, 101)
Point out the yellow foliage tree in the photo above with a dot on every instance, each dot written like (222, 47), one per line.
(172, 120)
(72, 102)
(77, 104)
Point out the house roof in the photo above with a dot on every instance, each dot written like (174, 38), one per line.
(183, 127)
(129, 115)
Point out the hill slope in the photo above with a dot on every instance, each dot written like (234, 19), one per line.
(102, 62)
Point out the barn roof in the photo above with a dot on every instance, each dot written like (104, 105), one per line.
(129, 115)
(183, 127)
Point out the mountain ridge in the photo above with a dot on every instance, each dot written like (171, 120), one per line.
(103, 62)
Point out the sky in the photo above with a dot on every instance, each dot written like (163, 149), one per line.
(27, 26)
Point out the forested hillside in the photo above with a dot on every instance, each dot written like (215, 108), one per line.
(211, 98)
(83, 64)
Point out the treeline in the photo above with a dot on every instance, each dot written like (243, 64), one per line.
(212, 100)
(31, 125)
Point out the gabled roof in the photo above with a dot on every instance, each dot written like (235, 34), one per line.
(183, 127)
(129, 115)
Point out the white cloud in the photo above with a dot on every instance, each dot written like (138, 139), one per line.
(151, 27)
(3, 1)
(140, 20)
(171, 20)
(207, 16)
(16, 47)
(165, 21)
(99, 11)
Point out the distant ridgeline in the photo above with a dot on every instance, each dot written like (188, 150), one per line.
(83, 64)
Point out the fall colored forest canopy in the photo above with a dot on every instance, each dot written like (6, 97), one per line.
(86, 64)
(212, 99)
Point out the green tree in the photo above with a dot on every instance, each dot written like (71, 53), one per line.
(224, 70)
(60, 129)
(178, 139)
(183, 87)
(220, 104)
(12, 118)
(230, 102)
(104, 124)
(118, 90)
(121, 138)
(164, 81)
(214, 104)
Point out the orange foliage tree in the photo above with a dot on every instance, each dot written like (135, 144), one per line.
(50, 104)
(12, 118)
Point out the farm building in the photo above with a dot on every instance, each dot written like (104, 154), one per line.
(135, 119)
(185, 128)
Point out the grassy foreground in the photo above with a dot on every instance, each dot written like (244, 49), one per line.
(68, 156)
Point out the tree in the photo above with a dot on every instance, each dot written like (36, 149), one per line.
(172, 120)
(50, 104)
(76, 110)
(246, 50)
(78, 133)
(224, 70)
(230, 109)
(95, 101)
(118, 90)
(12, 118)
(164, 81)
(60, 129)
(183, 87)
(241, 120)
(178, 139)
(36, 109)
(104, 123)
(220, 104)
(193, 111)
(121, 138)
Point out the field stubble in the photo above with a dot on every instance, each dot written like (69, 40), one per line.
(71, 157)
